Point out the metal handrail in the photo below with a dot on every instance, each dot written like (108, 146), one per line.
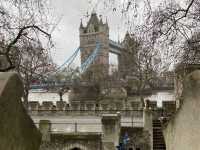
(76, 126)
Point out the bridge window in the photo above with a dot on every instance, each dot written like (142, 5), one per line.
(96, 28)
(113, 63)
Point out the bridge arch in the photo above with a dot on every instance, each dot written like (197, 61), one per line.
(76, 146)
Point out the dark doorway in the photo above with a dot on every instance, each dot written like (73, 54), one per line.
(76, 148)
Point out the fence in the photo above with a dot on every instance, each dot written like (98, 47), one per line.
(69, 127)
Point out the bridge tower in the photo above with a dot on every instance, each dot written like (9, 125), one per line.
(95, 31)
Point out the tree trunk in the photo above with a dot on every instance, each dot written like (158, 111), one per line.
(26, 92)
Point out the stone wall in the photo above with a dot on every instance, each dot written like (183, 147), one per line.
(83, 141)
(147, 133)
(111, 131)
(17, 130)
(182, 132)
(182, 70)
(68, 141)
(106, 140)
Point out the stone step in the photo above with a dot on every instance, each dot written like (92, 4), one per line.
(157, 126)
(156, 131)
(158, 138)
(158, 135)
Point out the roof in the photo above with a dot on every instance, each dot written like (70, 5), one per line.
(93, 19)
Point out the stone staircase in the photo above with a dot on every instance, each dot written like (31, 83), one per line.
(158, 138)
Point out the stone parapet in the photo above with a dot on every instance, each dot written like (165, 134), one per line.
(91, 108)
(87, 105)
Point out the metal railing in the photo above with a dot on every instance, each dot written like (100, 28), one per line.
(75, 127)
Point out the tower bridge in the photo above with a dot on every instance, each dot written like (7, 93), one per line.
(96, 115)
(95, 46)
(98, 31)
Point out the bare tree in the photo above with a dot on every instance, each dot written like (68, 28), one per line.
(167, 25)
(171, 25)
(143, 70)
(25, 39)
(21, 20)
(32, 63)
(191, 50)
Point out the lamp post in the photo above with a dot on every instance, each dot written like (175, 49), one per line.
(61, 92)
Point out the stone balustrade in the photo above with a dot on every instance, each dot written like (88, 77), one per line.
(62, 106)
(91, 108)
(33, 105)
(47, 105)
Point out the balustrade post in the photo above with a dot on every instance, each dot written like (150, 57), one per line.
(45, 129)
(76, 127)
(148, 123)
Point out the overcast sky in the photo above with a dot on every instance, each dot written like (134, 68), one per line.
(66, 35)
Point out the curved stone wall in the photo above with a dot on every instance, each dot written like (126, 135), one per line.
(182, 132)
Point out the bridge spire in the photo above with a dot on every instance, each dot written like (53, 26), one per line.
(101, 21)
(81, 24)
(91, 50)
(93, 11)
